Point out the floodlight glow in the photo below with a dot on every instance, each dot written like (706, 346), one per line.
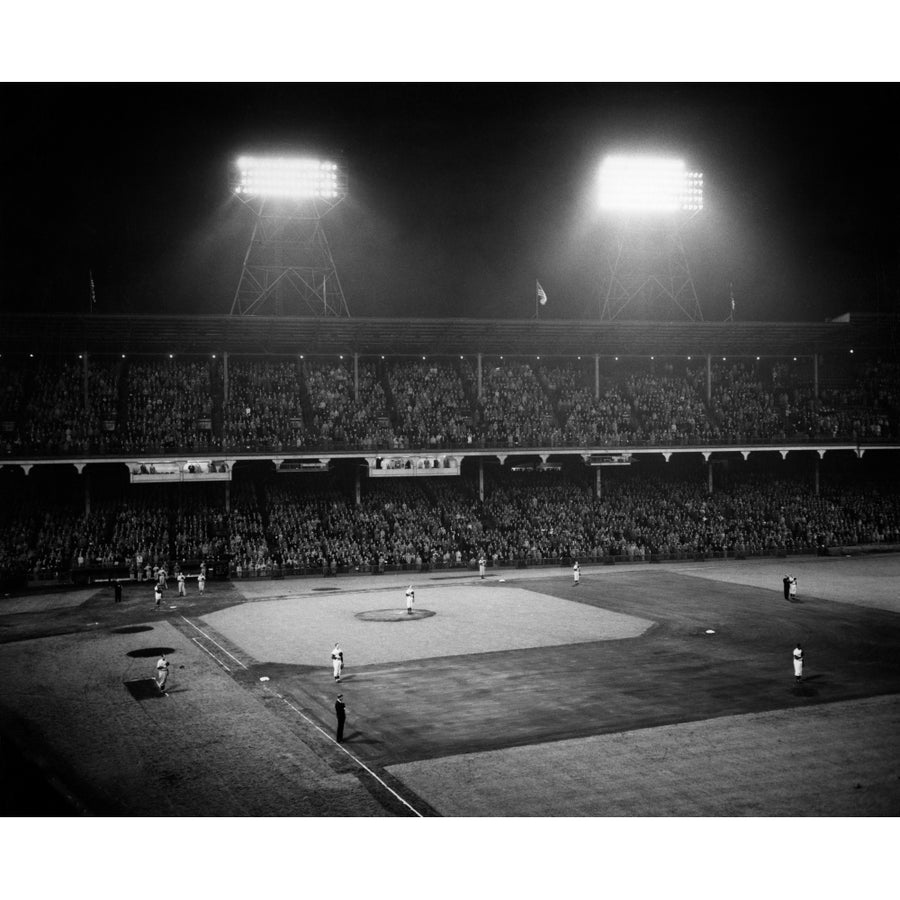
(296, 178)
(649, 184)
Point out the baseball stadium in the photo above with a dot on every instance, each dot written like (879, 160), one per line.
(376, 486)
(660, 682)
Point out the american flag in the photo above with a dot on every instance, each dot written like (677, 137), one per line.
(541, 294)
(93, 292)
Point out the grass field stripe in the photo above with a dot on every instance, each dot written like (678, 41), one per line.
(213, 642)
(213, 655)
(358, 761)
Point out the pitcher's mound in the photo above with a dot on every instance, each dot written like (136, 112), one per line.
(393, 615)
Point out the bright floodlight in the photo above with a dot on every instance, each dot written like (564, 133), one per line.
(649, 184)
(292, 178)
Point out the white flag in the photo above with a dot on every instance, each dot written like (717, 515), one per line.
(541, 294)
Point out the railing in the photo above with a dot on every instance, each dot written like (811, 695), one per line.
(330, 448)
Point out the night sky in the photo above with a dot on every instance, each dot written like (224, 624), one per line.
(461, 194)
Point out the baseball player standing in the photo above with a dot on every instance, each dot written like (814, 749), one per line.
(201, 581)
(337, 661)
(162, 673)
(576, 574)
(157, 594)
(181, 590)
(410, 599)
(481, 564)
(798, 663)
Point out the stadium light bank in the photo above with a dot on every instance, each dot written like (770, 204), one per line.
(649, 184)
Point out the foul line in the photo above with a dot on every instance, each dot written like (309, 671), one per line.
(213, 642)
(303, 715)
(358, 761)
(213, 655)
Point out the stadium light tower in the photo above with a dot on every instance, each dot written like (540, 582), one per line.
(647, 201)
(288, 267)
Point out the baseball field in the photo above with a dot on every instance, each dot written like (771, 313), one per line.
(642, 691)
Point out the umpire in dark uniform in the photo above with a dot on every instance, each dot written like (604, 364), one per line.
(340, 711)
(117, 588)
(786, 581)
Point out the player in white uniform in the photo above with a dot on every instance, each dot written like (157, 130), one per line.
(181, 589)
(337, 661)
(410, 599)
(798, 662)
(792, 590)
(481, 564)
(162, 673)
(201, 582)
(576, 573)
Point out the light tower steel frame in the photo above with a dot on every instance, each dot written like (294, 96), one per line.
(288, 267)
(647, 266)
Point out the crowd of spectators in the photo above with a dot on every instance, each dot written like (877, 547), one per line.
(344, 412)
(588, 419)
(670, 408)
(430, 403)
(169, 406)
(283, 525)
(145, 406)
(514, 410)
(264, 407)
(247, 543)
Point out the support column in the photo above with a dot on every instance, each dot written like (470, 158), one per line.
(597, 376)
(356, 377)
(479, 376)
(598, 492)
(357, 496)
(86, 476)
(225, 374)
(816, 377)
(708, 378)
(87, 393)
(816, 477)
(228, 496)
(480, 478)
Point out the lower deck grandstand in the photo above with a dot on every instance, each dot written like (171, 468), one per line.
(268, 524)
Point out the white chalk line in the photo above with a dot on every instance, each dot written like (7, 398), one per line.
(303, 715)
(213, 655)
(214, 642)
(356, 759)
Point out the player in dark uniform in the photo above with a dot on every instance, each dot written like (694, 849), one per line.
(340, 711)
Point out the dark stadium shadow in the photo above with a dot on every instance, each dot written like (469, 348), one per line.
(132, 629)
(144, 689)
(357, 738)
(813, 677)
(144, 652)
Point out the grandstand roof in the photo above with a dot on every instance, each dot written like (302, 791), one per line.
(42, 333)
